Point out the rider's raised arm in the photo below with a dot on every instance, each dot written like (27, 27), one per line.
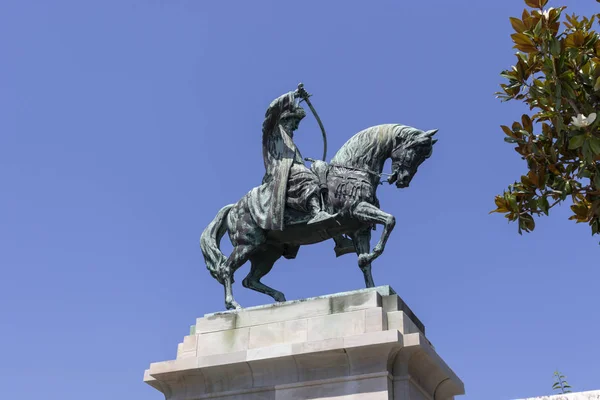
(278, 106)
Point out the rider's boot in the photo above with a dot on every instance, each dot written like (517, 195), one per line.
(343, 245)
(317, 212)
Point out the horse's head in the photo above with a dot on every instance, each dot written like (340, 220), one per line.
(412, 147)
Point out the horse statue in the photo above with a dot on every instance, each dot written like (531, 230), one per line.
(350, 183)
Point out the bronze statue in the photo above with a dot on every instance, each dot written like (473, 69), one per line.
(297, 206)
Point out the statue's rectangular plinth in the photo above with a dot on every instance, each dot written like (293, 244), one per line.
(365, 344)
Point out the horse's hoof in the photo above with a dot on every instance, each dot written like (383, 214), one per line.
(280, 297)
(234, 305)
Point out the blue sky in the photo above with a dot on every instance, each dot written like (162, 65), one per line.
(125, 125)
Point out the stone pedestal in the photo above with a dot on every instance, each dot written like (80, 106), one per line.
(365, 344)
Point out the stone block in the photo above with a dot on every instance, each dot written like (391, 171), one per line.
(395, 303)
(336, 325)
(322, 365)
(263, 353)
(375, 320)
(189, 343)
(222, 359)
(227, 378)
(215, 323)
(282, 312)
(294, 331)
(274, 371)
(373, 338)
(399, 320)
(170, 367)
(223, 341)
(314, 347)
(355, 301)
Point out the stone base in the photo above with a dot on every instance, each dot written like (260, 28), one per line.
(365, 344)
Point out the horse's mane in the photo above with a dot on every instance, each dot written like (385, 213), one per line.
(366, 145)
(375, 143)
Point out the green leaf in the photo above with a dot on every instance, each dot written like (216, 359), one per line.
(512, 203)
(595, 145)
(543, 204)
(568, 188)
(526, 223)
(576, 142)
(597, 180)
(510, 75)
(538, 27)
(555, 47)
(569, 91)
(588, 155)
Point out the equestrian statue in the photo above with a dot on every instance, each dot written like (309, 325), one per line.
(296, 205)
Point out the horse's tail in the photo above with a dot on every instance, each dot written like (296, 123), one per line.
(210, 242)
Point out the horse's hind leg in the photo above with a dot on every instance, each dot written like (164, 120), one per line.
(362, 243)
(237, 258)
(262, 262)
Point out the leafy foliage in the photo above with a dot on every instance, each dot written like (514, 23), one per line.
(557, 74)
(560, 383)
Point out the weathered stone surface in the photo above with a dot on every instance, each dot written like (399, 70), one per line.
(354, 345)
(393, 302)
(399, 320)
(375, 320)
(294, 331)
(215, 323)
(221, 342)
(296, 309)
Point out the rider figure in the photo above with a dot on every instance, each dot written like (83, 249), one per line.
(287, 181)
(291, 182)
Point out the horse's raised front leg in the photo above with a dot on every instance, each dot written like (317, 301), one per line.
(370, 214)
(262, 262)
(237, 258)
(362, 244)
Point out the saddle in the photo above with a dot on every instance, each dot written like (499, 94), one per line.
(293, 216)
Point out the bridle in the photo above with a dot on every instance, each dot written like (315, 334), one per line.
(378, 175)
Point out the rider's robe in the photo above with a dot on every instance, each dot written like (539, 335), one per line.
(286, 180)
